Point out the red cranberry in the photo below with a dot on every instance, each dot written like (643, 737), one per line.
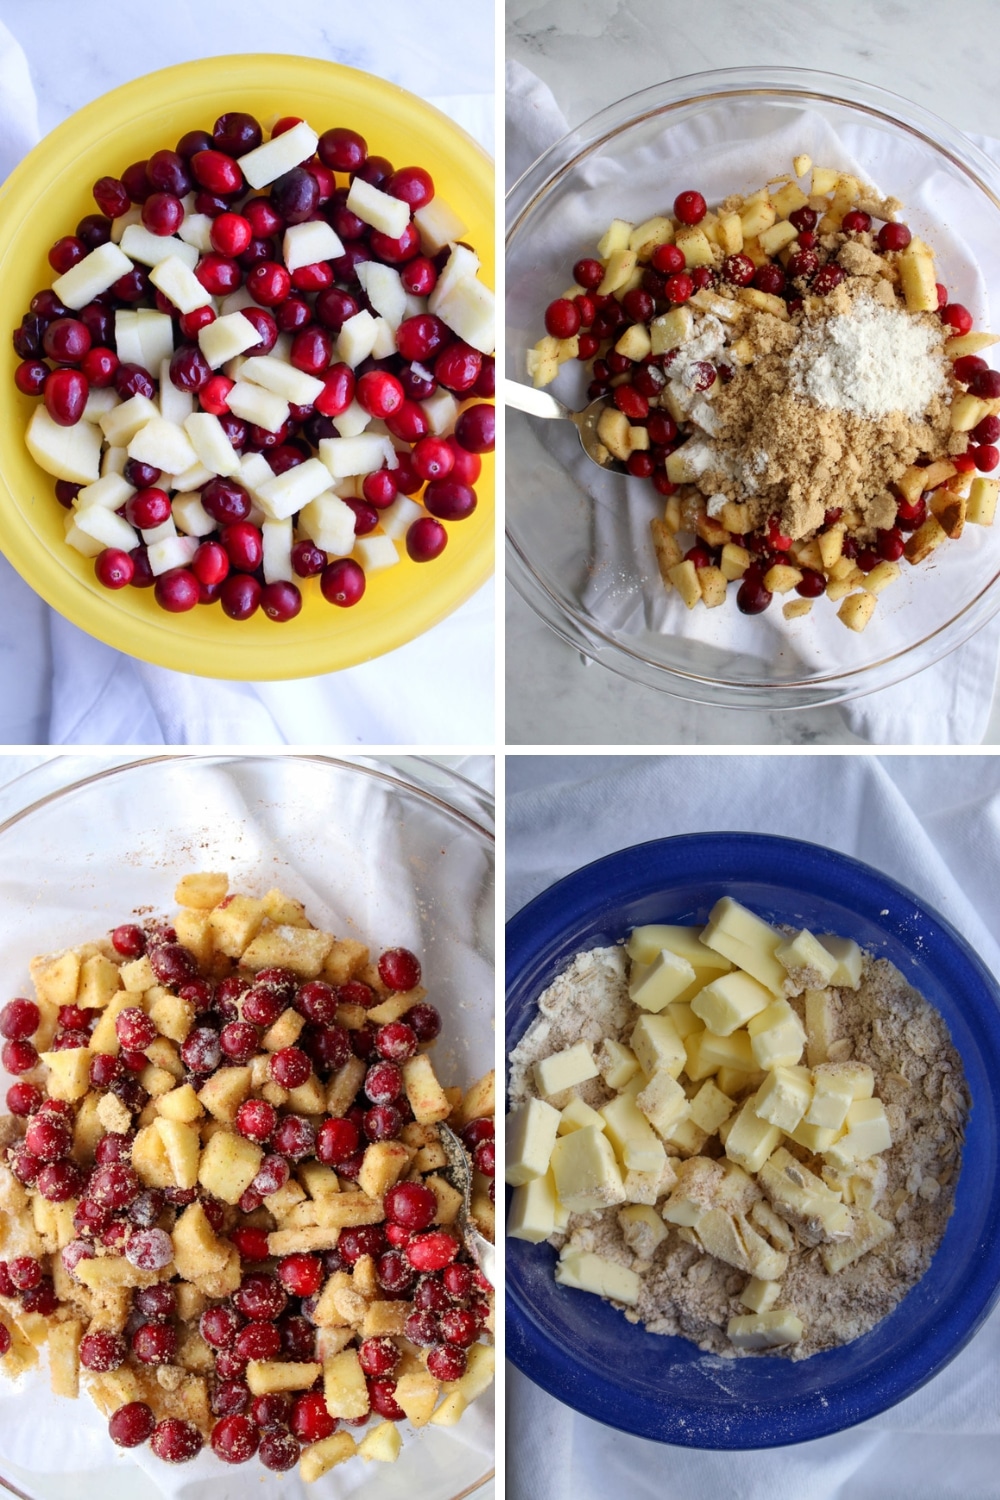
(446, 1362)
(258, 1341)
(278, 1451)
(378, 1356)
(256, 1119)
(336, 1141)
(399, 969)
(280, 601)
(135, 1029)
(230, 1397)
(423, 1328)
(65, 396)
(311, 1420)
(174, 1440)
(367, 1240)
(273, 1410)
(272, 1174)
(986, 457)
(129, 941)
(290, 1067)
(302, 1275)
(383, 1083)
(238, 1040)
(738, 269)
(48, 1137)
(856, 222)
(131, 1425)
(432, 1251)
(102, 1351)
(826, 279)
(411, 1204)
(690, 207)
(18, 1057)
(19, 1019)
(457, 1281)
(157, 1302)
(24, 1272)
(894, 237)
(343, 583)
(770, 278)
(234, 1439)
(381, 1395)
(295, 1137)
(201, 1050)
(425, 1021)
(395, 1274)
(23, 1099)
(260, 1297)
(562, 318)
(149, 1249)
(219, 1326)
(811, 585)
(803, 263)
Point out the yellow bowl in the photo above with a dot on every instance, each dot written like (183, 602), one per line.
(45, 197)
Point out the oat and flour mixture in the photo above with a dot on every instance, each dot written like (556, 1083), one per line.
(883, 1026)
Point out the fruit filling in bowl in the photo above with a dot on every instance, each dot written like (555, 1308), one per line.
(262, 360)
(226, 1206)
(791, 377)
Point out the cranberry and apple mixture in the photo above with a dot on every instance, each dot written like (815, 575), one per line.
(222, 1196)
(261, 361)
(794, 381)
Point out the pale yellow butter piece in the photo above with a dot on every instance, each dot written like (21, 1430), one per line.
(617, 1063)
(586, 1173)
(766, 1330)
(739, 935)
(650, 1187)
(867, 1135)
(663, 1102)
(653, 986)
(636, 1145)
(686, 1023)
(643, 1229)
(784, 1097)
(532, 1214)
(646, 942)
(706, 1053)
(870, 1230)
(576, 1116)
(531, 1135)
(820, 1026)
(732, 1239)
(733, 1081)
(688, 1137)
(710, 1107)
(832, 1097)
(848, 956)
(760, 1295)
(814, 1138)
(592, 1273)
(804, 951)
(656, 1044)
(777, 1036)
(802, 1198)
(729, 1002)
(751, 1139)
(565, 1069)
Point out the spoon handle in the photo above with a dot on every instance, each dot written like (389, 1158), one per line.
(535, 403)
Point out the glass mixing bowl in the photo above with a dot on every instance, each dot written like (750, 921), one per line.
(390, 852)
(580, 1348)
(629, 161)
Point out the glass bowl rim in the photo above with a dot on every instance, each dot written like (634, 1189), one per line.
(532, 934)
(581, 631)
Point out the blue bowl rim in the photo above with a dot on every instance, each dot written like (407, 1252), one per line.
(723, 856)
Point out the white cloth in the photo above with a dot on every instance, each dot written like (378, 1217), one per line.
(934, 825)
(60, 686)
(948, 703)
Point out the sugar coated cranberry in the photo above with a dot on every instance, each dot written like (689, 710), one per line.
(259, 1296)
(381, 1395)
(826, 278)
(301, 1275)
(234, 1439)
(102, 1351)
(201, 1050)
(295, 1137)
(174, 1440)
(149, 1249)
(24, 1272)
(256, 1119)
(154, 1343)
(353, 1243)
(230, 1397)
(157, 1302)
(445, 1362)
(336, 1141)
(129, 941)
(383, 1083)
(378, 1356)
(425, 1021)
(399, 969)
(131, 1425)
(48, 1137)
(258, 1341)
(19, 1019)
(394, 1272)
(738, 269)
(135, 1029)
(484, 1158)
(396, 1041)
(411, 1204)
(272, 1410)
(804, 262)
(423, 1328)
(679, 287)
(432, 1251)
(219, 1326)
(172, 963)
(41, 1299)
(289, 1067)
(23, 1099)
(18, 1056)
(278, 1451)
(894, 237)
(690, 207)
(311, 1420)
(238, 1041)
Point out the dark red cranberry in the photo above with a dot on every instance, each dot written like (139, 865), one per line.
(131, 1425)
(176, 1441)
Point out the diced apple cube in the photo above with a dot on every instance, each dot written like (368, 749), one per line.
(149, 249)
(438, 225)
(307, 244)
(441, 410)
(286, 493)
(212, 447)
(111, 491)
(361, 454)
(106, 527)
(228, 336)
(383, 212)
(75, 538)
(274, 158)
(277, 537)
(224, 1092)
(196, 230)
(171, 552)
(330, 524)
(99, 402)
(385, 290)
(228, 1165)
(376, 552)
(284, 380)
(163, 445)
(191, 516)
(91, 276)
(469, 310)
(357, 338)
(397, 518)
(122, 423)
(71, 453)
(254, 404)
(182, 1144)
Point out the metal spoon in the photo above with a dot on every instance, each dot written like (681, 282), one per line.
(542, 404)
(459, 1173)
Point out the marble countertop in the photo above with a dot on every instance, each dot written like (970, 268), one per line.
(592, 52)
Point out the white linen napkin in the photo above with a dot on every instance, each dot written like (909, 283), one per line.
(934, 825)
(952, 704)
(60, 686)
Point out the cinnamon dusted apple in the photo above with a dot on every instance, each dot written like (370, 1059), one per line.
(794, 382)
(221, 1198)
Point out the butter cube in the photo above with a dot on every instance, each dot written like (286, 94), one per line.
(617, 1063)
(805, 958)
(643, 1228)
(751, 1139)
(804, 1200)
(564, 1069)
(730, 1238)
(663, 1102)
(653, 986)
(576, 1116)
(586, 1173)
(733, 1081)
(868, 1133)
(814, 1138)
(870, 1230)
(686, 1023)
(688, 1137)
(729, 1002)
(532, 1214)
(650, 1187)
(739, 935)
(592, 1273)
(820, 1026)
(784, 1097)
(657, 1046)
(710, 1107)
(531, 1135)
(847, 954)
(777, 1036)
(766, 1330)
(832, 1096)
(646, 942)
(635, 1143)
(760, 1295)
(706, 1053)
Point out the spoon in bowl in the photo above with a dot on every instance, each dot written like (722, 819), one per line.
(541, 404)
(459, 1174)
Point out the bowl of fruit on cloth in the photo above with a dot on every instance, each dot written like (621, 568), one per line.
(822, 407)
(741, 1263)
(255, 446)
(218, 1323)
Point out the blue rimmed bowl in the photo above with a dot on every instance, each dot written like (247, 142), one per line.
(578, 1347)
